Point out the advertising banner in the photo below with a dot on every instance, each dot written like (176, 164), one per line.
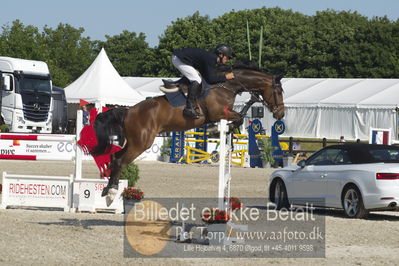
(37, 191)
(63, 150)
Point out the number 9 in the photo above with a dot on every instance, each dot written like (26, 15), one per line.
(87, 193)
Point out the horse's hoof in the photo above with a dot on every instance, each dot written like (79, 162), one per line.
(111, 196)
(105, 191)
(108, 200)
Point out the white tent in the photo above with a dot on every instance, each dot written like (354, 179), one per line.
(330, 108)
(101, 84)
(146, 86)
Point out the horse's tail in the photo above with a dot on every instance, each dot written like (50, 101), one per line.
(110, 123)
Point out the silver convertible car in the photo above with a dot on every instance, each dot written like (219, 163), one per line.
(355, 177)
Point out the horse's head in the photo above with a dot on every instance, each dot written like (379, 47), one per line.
(262, 84)
(274, 97)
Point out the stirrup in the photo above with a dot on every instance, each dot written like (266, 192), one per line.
(191, 113)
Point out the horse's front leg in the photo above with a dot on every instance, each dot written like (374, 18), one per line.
(236, 119)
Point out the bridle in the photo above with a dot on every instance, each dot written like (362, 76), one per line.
(274, 107)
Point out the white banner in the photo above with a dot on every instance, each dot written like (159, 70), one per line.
(57, 149)
(37, 191)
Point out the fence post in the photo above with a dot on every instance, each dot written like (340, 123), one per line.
(78, 154)
(291, 145)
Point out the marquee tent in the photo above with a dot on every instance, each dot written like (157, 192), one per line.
(101, 84)
(330, 108)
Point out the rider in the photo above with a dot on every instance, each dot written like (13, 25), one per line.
(190, 61)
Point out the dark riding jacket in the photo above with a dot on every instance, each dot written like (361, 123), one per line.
(203, 61)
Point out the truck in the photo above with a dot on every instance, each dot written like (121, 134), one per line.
(26, 101)
(59, 111)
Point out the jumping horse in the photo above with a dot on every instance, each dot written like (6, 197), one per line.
(137, 127)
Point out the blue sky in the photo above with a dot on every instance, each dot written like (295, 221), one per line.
(100, 17)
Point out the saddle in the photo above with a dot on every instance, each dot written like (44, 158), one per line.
(176, 91)
(170, 84)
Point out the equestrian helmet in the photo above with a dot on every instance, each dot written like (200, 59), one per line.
(224, 49)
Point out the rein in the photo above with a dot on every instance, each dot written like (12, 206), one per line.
(256, 94)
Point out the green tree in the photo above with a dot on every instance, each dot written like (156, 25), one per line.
(21, 41)
(192, 31)
(329, 44)
(68, 53)
(128, 53)
(284, 33)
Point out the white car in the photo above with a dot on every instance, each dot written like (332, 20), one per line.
(355, 177)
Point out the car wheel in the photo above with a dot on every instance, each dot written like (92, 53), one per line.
(352, 202)
(280, 195)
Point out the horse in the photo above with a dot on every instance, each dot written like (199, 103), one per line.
(137, 127)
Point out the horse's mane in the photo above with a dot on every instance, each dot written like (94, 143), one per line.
(251, 65)
(247, 64)
(243, 64)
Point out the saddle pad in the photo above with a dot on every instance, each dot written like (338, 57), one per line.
(178, 98)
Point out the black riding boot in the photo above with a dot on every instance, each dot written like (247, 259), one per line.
(191, 99)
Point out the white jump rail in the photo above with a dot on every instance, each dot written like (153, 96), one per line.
(77, 157)
(224, 192)
(224, 166)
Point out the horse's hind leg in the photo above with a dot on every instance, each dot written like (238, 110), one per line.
(115, 167)
(118, 164)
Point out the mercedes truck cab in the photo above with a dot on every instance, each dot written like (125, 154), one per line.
(26, 101)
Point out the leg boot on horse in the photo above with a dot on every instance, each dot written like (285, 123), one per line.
(190, 110)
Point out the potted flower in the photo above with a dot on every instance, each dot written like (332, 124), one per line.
(4, 128)
(131, 173)
(266, 152)
(235, 203)
(166, 149)
(216, 220)
(131, 193)
(215, 216)
(131, 196)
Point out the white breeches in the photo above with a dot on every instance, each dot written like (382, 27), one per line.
(186, 70)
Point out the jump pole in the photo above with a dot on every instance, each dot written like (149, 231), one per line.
(224, 166)
(78, 154)
(42, 157)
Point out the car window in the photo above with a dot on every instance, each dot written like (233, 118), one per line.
(329, 157)
(384, 155)
(343, 158)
